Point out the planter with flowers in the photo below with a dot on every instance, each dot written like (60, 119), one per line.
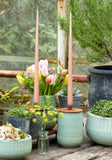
(44, 115)
(14, 143)
(62, 97)
(19, 117)
(51, 81)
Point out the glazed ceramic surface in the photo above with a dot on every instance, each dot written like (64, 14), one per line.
(99, 129)
(10, 149)
(70, 130)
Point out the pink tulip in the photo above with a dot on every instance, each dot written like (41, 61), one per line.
(30, 71)
(48, 79)
(43, 63)
(53, 78)
(64, 72)
(44, 71)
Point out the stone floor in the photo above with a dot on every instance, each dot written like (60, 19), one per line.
(87, 151)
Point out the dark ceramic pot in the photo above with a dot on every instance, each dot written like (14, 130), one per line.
(63, 101)
(100, 80)
(20, 122)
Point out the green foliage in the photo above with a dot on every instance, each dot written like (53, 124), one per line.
(102, 108)
(8, 99)
(92, 26)
(19, 111)
(65, 91)
(18, 27)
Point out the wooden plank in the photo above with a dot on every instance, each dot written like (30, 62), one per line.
(89, 153)
(12, 74)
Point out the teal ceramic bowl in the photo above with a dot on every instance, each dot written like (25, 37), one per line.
(10, 149)
(99, 129)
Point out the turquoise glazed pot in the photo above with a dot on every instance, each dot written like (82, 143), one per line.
(70, 128)
(43, 99)
(99, 129)
(10, 149)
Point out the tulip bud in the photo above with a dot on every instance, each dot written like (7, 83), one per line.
(64, 72)
(48, 79)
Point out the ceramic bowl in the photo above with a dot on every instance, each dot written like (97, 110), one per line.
(11, 149)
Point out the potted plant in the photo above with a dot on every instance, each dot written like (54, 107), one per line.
(14, 143)
(51, 81)
(62, 97)
(92, 28)
(44, 115)
(7, 99)
(99, 122)
(19, 116)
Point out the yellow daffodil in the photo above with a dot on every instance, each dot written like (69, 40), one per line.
(20, 79)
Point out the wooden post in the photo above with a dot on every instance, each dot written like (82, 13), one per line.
(62, 39)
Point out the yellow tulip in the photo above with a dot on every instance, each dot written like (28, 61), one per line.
(39, 76)
(20, 79)
(66, 80)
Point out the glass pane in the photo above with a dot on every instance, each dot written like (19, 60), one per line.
(17, 33)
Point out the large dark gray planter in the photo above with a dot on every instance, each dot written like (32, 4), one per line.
(100, 80)
(63, 101)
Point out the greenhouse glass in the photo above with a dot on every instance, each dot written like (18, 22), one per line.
(17, 33)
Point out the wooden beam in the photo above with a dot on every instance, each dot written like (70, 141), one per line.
(8, 73)
(62, 39)
(12, 74)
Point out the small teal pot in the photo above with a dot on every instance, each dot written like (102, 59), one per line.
(70, 128)
(99, 129)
